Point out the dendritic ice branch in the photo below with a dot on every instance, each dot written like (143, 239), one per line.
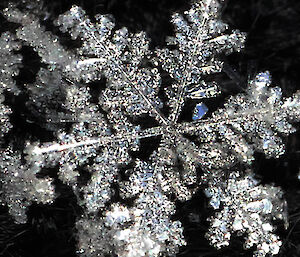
(247, 207)
(100, 136)
(199, 39)
(142, 230)
(253, 121)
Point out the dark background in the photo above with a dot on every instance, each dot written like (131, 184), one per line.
(273, 44)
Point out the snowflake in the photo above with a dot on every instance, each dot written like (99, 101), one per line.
(101, 136)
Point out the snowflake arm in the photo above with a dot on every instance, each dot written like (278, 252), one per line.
(152, 229)
(199, 39)
(247, 207)
(250, 122)
(126, 79)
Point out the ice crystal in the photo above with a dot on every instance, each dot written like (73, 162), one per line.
(142, 230)
(247, 207)
(252, 121)
(102, 135)
(199, 39)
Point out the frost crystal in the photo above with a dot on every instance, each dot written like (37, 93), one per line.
(128, 202)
